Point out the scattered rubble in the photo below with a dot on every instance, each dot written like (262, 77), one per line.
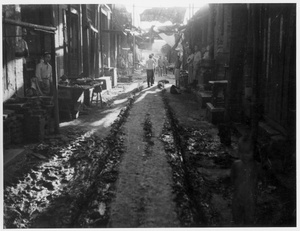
(57, 180)
(68, 180)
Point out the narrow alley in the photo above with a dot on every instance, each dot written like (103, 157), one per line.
(153, 167)
(138, 116)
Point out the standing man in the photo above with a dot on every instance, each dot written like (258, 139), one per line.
(160, 66)
(130, 62)
(166, 63)
(196, 63)
(43, 73)
(150, 66)
(155, 64)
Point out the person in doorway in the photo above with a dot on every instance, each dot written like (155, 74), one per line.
(43, 73)
(178, 63)
(196, 64)
(130, 59)
(206, 53)
(150, 67)
(22, 52)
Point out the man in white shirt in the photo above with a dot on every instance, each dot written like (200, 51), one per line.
(150, 66)
(43, 73)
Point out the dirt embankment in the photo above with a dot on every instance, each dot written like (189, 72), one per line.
(207, 164)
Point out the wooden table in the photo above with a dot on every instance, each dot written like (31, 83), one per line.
(71, 99)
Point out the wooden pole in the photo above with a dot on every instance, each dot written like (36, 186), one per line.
(108, 37)
(133, 50)
(69, 42)
(97, 42)
(255, 68)
(101, 42)
(46, 29)
(85, 30)
(54, 79)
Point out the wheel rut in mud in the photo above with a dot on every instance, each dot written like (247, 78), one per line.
(144, 195)
(191, 214)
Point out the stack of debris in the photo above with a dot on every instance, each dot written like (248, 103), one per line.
(48, 106)
(38, 120)
(28, 119)
(13, 128)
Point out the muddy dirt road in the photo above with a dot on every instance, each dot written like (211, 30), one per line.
(150, 159)
(144, 189)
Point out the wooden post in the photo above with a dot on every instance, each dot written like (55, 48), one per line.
(97, 20)
(55, 86)
(85, 30)
(211, 31)
(133, 55)
(255, 68)
(54, 78)
(69, 36)
(108, 40)
(133, 49)
(101, 42)
(80, 42)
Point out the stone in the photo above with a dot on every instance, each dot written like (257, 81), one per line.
(214, 115)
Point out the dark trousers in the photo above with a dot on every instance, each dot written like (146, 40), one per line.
(150, 77)
(165, 70)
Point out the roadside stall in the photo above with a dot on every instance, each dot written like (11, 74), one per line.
(73, 94)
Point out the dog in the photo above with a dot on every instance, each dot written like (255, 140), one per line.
(161, 83)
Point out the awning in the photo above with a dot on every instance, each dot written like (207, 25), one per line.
(170, 39)
(46, 29)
